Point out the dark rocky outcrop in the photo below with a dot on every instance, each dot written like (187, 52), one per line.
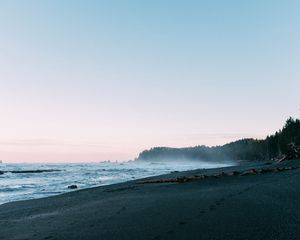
(35, 171)
(30, 171)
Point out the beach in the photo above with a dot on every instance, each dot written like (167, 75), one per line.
(225, 203)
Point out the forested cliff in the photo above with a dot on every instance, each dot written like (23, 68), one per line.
(272, 147)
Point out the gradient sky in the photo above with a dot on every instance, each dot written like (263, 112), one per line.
(100, 80)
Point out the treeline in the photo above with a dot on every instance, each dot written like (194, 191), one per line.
(272, 147)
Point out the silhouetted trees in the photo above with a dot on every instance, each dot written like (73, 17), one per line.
(246, 149)
(278, 143)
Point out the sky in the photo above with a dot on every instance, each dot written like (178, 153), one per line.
(103, 80)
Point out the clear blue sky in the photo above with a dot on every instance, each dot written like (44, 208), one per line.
(98, 80)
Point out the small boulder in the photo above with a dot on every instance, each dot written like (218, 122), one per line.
(72, 186)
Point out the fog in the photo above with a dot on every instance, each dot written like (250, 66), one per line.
(183, 163)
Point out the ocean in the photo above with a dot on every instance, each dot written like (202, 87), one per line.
(22, 186)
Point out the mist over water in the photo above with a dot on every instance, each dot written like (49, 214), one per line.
(23, 186)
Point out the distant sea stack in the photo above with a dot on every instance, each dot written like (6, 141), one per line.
(274, 147)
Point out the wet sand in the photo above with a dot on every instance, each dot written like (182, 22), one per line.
(226, 203)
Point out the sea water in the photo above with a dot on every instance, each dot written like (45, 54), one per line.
(23, 186)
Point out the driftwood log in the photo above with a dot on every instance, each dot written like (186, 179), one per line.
(247, 172)
(294, 153)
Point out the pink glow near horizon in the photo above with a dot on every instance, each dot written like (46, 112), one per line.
(49, 151)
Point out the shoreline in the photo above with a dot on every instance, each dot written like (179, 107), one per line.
(257, 205)
(84, 177)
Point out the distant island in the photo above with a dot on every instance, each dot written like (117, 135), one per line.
(279, 146)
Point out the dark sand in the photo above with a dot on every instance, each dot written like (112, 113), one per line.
(258, 206)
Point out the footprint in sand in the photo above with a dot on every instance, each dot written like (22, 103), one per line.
(121, 210)
(170, 232)
(48, 237)
(201, 213)
(212, 207)
(156, 238)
